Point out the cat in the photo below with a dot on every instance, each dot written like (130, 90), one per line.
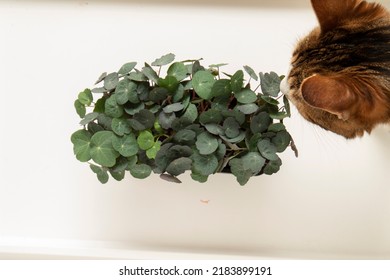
(340, 72)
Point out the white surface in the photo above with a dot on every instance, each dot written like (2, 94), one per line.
(331, 202)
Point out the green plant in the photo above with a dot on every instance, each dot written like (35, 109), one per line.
(189, 119)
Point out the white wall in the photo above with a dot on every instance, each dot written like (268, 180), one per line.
(333, 201)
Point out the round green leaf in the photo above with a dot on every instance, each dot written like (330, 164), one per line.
(236, 81)
(231, 127)
(164, 60)
(101, 173)
(150, 73)
(204, 164)
(237, 168)
(120, 126)
(152, 152)
(85, 97)
(126, 68)
(215, 129)
(111, 81)
(281, 140)
(246, 96)
(206, 143)
(191, 113)
(145, 117)
(100, 104)
(276, 127)
(253, 161)
(247, 109)
(89, 118)
(178, 70)
(80, 108)
(166, 120)
(125, 91)
(234, 140)
(169, 82)
(175, 107)
(145, 140)
(81, 140)
(179, 166)
(185, 136)
(140, 171)
(260, 122)
(267, 149)
(270, 83)
(111, 107)
(272, 167)
(210, 116)
(102, 151)
(203, 82)
(132, 109)
(221, 87)
(251, 72)
(125, 145)
(137, 76)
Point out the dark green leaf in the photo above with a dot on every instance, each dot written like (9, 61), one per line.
(251, 72)
(179, 166)
(170, 178)
(203, 82)
(112, 108)
(191, 113)
(178, 70)
(81, 140)
(145, 117)
(267, 149)
(102, 151)
(260, 122)
(126, 91)
(101, 173)
(140, 171)
(247, 109)
(164, 60)
(199, 178)
(169, 82)
(210, 116)
(276, 127)
(175, 107)
(80, 108)
(125, 145)
(137, 77)
(89, 118)
(166, 120)
(132, 109)
(237, 168)
(185, 137)
(236, 81)
(278, 115)
(126, 68)
(206, 143)
(281, 140)
(269, 99)
(85, 97)
(158, 94)
(204, 164)
(100, 104)
(272, 167)
(270, 83)
(221, 87)
(150, 73)
(287, 105)
(246, 96)
(231, 127)
(120, 126)
(253, 161)
(111, 81)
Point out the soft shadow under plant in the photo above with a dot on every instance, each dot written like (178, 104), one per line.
(192, 118)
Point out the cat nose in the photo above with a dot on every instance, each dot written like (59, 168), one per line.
(284, 86)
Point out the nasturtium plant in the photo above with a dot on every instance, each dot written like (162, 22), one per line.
(170, 117)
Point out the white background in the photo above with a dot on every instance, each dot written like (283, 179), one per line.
(331, 202)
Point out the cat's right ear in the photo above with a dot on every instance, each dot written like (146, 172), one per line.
(335, 13)
(329, 94)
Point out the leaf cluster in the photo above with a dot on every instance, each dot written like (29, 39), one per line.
(191, 118)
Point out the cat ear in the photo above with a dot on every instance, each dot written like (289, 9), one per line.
(335, 13)
(330, 94)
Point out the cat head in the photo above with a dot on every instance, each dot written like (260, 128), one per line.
(340, 72)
